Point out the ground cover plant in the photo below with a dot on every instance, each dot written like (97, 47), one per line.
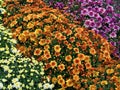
(101, 16)
(70, 56)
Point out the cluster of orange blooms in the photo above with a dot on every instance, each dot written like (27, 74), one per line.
(72, 55)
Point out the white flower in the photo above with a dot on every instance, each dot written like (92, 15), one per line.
(51, 86)
(31, 83)
(41, 73)
(46, 86)
(17, 85)
(40, 85)
(4, 80)
(14, 80)
(10, 86)
(2, 49)
(1, 85)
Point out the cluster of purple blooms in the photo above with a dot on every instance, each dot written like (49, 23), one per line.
(97, 15)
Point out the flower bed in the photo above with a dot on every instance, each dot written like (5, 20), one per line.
(70, 56)
(97, 15)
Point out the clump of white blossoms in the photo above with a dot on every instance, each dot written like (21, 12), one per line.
(18, 72)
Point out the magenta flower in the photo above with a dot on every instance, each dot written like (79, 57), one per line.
(113, 35)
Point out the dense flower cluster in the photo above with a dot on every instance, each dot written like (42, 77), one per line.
(70, 56)
(17, 72)
(98, 15)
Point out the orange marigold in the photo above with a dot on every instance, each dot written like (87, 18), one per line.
(81, 56)
(61, 82)
(61, 67)
(92, 51)
(69, 83)
(53, 64)
(76, 61)
(109, 71)
(57, 48)
(92, 87)
(68, 58)
(37, 51)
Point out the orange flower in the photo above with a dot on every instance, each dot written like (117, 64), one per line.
(22, 38)
(54, 80)
(109, 71)
(69, 83)
(76, 78)
(38, 31)
(92, 87)
(72, 39)
(57, 48)
(92, 51)
(106, 54)
(75, 71)
(118, 66)
(32, 36)
(22, 49)
(47, 56)
(30, 25)
(46, 47)
(47, 28)
(53, 64)
(13, 23)
(42, 42)
(59, 77)
(76, 50)
(81, 56)
(61, 67)
(104, 82)
(76, 61)
(37, 51)
(30, 1)
(61, 82)
(88, 66)
(69, 46)
(68, 58)
(87, 59)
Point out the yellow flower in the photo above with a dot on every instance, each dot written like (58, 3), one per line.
(68, 58)
(104, 82)
(110, 71)
(37, 51)
(92, 87)
(69, 83)
(53, 64)
(57, 48)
